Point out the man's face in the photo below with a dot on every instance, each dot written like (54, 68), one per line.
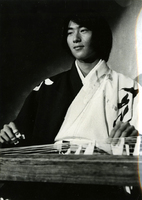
(79, 40)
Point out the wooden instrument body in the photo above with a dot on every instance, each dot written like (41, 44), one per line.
(84, 169)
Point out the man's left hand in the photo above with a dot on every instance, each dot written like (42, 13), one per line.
(122, 129)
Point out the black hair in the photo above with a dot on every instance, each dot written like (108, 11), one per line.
(102, 34)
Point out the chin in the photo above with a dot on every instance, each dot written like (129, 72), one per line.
(80, 57)
(87, 59)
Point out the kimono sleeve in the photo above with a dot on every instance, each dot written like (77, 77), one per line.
(26, 118)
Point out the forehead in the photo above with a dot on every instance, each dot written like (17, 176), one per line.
(72, 24)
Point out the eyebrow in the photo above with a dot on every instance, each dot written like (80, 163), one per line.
(71, 28)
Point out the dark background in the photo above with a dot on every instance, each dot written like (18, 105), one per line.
(30, 36)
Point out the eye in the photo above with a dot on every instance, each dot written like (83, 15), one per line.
(83, 30)
(69, 32)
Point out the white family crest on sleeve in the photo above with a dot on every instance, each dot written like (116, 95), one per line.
(47, 82)
(37, 87)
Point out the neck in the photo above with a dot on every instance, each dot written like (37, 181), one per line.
(86, 67)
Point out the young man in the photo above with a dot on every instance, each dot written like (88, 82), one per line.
(90, 102)
(102, 102)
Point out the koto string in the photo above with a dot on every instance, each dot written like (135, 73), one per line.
(57, 148)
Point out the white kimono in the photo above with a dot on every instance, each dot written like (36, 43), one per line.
(105, 98)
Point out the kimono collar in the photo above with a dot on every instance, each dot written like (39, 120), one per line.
(95, 74)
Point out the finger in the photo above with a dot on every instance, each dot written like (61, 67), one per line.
(112, 133)
(132, 138)
(117, 126)
(13, 126)
(119, 131)
(14, 141)
(127, 131)
(8, 131)
(1, 140)
(7, 135)
(17, 134)
(127, 134)
(135, 133)
(4, 136)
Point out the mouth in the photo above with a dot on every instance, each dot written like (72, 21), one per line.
(79, 47)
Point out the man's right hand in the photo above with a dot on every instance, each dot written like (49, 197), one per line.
(10, 134)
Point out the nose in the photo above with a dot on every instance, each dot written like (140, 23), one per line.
(76, 37)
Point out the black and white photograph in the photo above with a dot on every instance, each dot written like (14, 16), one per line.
(71, 100)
